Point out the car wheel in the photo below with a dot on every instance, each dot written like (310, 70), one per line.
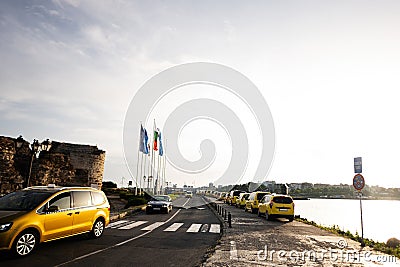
(291, 219)
(25, 243)
(97, 229)
(253, 210)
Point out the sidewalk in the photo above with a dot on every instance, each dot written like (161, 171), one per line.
(254, 241)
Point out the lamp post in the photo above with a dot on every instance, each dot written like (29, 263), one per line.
(35, 148)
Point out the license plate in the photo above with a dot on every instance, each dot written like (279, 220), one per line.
(283, 209)
(156, 208)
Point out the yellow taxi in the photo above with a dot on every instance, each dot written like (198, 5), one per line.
(253, 201)
(44, 213)
(276, 206)
(234, 195)
(241, 200)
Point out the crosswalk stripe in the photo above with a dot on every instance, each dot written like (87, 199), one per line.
(215, 228)
(132, 225)
(152, 226)
(113, 224)
(194, 228)
(173, 227)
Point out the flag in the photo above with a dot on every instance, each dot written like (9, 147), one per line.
(145, 145)
(161, 150)
(148, 149)
(155, 140)
(141, 139)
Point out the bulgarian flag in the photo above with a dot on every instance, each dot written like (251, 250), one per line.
(155, 144)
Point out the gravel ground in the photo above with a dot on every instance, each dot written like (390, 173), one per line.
(254, 241)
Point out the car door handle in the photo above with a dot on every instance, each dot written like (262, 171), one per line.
(77, 212)
(69, 214)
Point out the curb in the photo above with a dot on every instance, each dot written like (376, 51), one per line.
(124, 213)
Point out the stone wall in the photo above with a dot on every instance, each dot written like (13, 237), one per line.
(10, 177)
(64, 164)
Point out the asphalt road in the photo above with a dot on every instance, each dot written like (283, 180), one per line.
(181, 238)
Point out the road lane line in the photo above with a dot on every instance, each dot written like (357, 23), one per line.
(194, 228)
(215, 228)
(132, 225)
(186, 202)
(113, 224)
(173, 227)
(114, 246)
(153, 226)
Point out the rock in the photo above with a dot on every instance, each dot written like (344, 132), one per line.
(393, 242)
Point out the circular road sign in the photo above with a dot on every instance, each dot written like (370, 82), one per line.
(358, 182)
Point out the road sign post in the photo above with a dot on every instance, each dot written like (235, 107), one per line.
(358, 184)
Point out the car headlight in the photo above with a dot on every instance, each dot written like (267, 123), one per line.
(149, 205)
(5, 227)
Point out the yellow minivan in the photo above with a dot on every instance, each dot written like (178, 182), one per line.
(253, 201)
(276, 206)
(44, 213)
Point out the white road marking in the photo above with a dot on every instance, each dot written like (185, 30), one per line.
(186, 202)
(113, 224)
(173, 227)
(194, 228)
(215, 228)
(153, 226)
(114, 246)
(233, 251)
(132, 225)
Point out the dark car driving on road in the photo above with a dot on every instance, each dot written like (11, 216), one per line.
(159, 203)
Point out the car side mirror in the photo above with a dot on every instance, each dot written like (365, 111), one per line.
(52, 209)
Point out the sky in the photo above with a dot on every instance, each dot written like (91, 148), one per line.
(328, 70)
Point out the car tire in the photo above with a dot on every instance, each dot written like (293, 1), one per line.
(97, 229)
(291, 219)
(25, 243)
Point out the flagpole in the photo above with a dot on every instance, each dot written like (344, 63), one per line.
(137, 162)
(152, 158)
(165, 158)
(141, 175)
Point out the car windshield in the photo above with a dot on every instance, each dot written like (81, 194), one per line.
(236, 193)
(161, 198)
(23, 200)
(260, 195)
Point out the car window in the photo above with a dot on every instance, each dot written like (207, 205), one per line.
(62, 201)
(23, 200)
(283, 200)
(81, 199)
(97, 198)
(252, 195)
(260, 195)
